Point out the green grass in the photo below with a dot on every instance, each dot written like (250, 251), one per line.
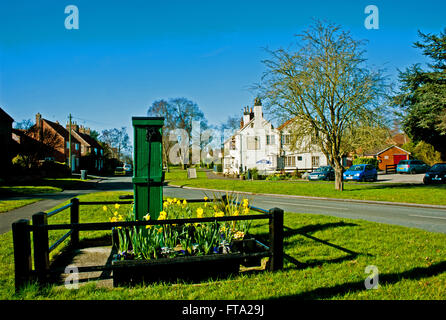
(45, 185)
(8, 205)
(334, 253)
(408, 193)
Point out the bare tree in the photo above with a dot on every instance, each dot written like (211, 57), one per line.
(327, 88)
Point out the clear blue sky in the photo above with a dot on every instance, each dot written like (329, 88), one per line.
(127, 54)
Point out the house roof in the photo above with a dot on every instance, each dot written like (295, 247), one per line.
(88, 139)
(60, 130)
(286, 123)
(389, 147)
(4, 115)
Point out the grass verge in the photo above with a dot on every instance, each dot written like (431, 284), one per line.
(398, 192)
(8, 205)
(334, 253)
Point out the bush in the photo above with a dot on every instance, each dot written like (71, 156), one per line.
(55, 169)
(374, 162)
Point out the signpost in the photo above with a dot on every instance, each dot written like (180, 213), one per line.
(148, 169)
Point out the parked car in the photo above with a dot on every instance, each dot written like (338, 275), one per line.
(361, 172)
(127, 168)
(119, 171)
(436, 174)
(322, 173)
(411, 166)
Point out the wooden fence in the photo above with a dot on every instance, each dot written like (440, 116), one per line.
(22, 230)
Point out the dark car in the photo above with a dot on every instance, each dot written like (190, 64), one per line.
(436, 174)
(322, 173)
(361, 172)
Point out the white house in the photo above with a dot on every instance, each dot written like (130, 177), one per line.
(257, 144)
(254, 145)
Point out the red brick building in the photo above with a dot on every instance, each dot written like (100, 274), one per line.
(390, 156)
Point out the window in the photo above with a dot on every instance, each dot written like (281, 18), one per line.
(95, 150)
(102, 152)
(76, 146)
(271, 139)
(299, 158)
(253, 143)
(68, 145)
(232, 146)
(315, 161)
(290, 161)
(286, 139)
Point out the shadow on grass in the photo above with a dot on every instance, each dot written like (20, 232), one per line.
(384, 279)
(304, 231)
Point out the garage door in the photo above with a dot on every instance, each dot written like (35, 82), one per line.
(398, 157)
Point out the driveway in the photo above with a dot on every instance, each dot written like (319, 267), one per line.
(401, 178)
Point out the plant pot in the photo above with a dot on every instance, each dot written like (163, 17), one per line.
(247, 246)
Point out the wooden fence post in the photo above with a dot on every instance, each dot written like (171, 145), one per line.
(74, 213)
(22, 253)
(276, 239)
(41, 247)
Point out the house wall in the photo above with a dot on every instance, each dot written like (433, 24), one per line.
(391, 156)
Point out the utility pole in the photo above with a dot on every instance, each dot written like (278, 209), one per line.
(69, 147)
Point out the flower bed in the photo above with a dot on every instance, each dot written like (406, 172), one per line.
(189, 251)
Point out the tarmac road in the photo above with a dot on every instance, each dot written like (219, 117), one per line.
(430, 218)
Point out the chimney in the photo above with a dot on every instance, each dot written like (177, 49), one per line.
(246, 116)
(258, 114)
(241, 123)
(38, 119)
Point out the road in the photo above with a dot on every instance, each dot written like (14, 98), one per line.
(430, 219)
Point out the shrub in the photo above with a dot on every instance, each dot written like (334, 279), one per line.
(55, 169)
(374, 162)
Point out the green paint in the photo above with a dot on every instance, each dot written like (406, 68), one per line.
(148, 167)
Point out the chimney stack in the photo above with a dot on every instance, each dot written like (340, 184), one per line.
(38, 119)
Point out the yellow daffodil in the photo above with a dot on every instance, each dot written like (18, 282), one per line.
(148, 226)
(236, 213)
(206, 198)
(165, 204)
(117, 206)
(120, 218)
(104, 208)
(174, 199)
(239, 235)
(163, 215)
(199, 213)
(219, 214)
(115, 213)
(179, 202)
(169, 200)
(246, 211)
(114, 219)
(184, 203)
(245, 203)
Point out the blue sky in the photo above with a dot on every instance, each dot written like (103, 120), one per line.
(127, 54)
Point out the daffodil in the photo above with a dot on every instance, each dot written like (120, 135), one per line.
(184, 203)
(199, 213)
(163, 215)
(246, 211)
(117, 206)
(104, 208)
(147, 217)
(236, 213)
(165, 204)
(219, 214)
(115, 213)
(179, 202)
(206, 198)
(245, 203)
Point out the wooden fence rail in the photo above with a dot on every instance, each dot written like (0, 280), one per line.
(22, 229)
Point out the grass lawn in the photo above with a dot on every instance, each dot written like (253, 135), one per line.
(45, 185)
(8, 205)
(410, 193)
(334, 253)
